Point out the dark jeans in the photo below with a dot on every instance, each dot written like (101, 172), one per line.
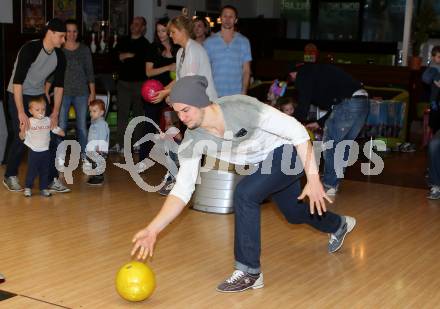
(434, 160)
(16, 150)
(345, 123)
(285, 189)
(152, 111)
(80, 104)
(89, 157)
(129, 98)
(38, 165)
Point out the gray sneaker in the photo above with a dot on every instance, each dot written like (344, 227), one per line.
(57, 186)
(167, 187)
(241, 281)
(45, 193)
(27, 192)
(117, 149)
(337, 239)
(434, 193)
(11, 183)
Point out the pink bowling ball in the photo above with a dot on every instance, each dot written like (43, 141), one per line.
(150, 88)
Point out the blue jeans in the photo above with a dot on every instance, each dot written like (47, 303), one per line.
(285, 189)
(80, 104)
(345, 123)
(16, 146)
(434, 159)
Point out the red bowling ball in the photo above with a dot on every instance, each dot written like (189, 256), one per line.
(150, 88)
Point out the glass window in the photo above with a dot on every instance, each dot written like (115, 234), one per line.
(338, 21)
(437, 10)
(297, 14)
(383, 20)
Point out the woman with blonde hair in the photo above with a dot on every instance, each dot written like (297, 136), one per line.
(191, 59)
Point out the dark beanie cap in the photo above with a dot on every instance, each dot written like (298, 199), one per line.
(190, 90)
(56, 25)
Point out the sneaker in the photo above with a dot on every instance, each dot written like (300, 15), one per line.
(57, 186)
(11, 183)
(141, 167)
(27, 192)
(241, 281)
(407, 147)
(2, 278)
(45, 193)
(167, 187)
(95, 180)
(337, 239)
(434, 193)
(117, 149)
(331, 191)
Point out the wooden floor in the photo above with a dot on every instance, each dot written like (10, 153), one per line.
(64, 251)
(400, 168)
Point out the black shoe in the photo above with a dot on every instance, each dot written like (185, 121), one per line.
(95, 180)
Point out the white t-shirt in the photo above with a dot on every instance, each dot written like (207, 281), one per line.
(196, 62)
(38, 136)
(252, 130)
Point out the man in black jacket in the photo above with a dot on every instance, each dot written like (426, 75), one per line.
(330, 88)
(36, 61)
(132, 54)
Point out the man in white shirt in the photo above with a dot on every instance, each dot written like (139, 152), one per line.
(256, 135)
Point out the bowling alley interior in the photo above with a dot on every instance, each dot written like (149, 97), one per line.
(70, 208)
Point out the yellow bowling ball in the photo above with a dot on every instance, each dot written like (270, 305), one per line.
(135, 281)
(173, 75)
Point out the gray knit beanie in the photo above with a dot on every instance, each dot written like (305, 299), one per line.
(190, 90)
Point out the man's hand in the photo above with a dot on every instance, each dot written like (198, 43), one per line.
(437, 83)
(315, 191)
(24, 121)
(22, 133)
(313, 126)
(53, 121)
(144, 241)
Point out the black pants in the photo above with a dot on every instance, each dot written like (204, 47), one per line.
(16, 148)
(152, 111)
(129, 99)
(38, 165)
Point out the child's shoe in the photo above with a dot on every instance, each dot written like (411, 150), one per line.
(95, 180)
(27, 192)
(45, 193)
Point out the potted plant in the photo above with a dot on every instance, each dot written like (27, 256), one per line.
(423, 24)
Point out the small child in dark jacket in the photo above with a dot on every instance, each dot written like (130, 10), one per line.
(97, 144)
